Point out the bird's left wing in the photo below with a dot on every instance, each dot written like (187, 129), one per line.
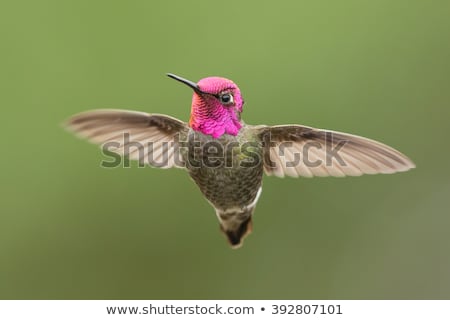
(294, 150)
(152, 139)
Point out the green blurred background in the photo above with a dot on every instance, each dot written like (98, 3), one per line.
(72, 230)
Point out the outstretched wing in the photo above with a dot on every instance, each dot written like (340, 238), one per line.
(294, 150)
(149, 138)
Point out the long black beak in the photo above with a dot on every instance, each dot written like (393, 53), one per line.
(189, 83)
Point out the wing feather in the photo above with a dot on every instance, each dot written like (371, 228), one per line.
(148, 138)
(326, 153)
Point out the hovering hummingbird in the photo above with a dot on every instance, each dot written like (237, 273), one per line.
(225, 157)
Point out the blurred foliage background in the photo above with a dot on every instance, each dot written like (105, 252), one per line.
(72, 230)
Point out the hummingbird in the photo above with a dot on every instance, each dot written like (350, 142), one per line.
(228, 158)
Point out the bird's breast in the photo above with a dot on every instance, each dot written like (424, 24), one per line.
(227, 170)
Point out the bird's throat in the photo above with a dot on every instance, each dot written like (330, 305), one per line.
(215, 120)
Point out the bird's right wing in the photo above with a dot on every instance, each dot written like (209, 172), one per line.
(149, 138)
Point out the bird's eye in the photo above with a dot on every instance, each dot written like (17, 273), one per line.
(226, 98)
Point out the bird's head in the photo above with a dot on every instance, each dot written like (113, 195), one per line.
(216, 106)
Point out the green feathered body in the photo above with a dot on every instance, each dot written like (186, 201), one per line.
(229, 172)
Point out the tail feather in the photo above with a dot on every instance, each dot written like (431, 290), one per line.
(236, 225)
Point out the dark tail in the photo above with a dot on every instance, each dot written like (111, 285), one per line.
(236, 225)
